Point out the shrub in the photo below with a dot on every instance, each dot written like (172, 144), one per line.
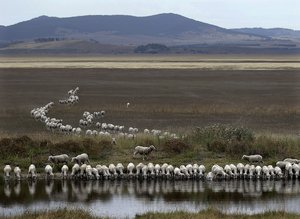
(175, 146)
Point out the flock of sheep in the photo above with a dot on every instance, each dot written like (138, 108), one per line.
(82, 170)
(88, 124)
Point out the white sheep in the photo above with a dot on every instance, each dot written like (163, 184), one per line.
(145, 171)
(64, 171)
(7, 169)
(83, 170)
(177, 172)
(292, 160)
(278, 172)
(266, 172)
(130, 168)
(151, 169)
(75, 170)
(49, 171)
(169, 171)
(240, 169)
(271, 170)
(127, 105)
(146, 131)
(202, 170)
(95, 173)
(218, 171)
(62, 158)
(251, 171)
(82, 158)
(89, 171)
(227, 169)
(144, 151)
(189, 168)
(112, 169)
(184, 171)
(196, 170)
(120, 169)
(296, 169)
(17, 172)
(157, 169)
(163, 168)
(139, 168)
(253, 158)
(258, 171)
(31, 171)
(234, 170)
(210, 176)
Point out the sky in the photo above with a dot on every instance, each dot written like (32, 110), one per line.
(224, 13)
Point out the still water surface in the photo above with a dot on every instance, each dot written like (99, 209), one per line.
(122, 198)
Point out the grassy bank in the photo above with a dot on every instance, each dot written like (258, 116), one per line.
(211, 214)
(207, 145)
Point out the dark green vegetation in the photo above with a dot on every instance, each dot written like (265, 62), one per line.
(208, 145)
(212, 214)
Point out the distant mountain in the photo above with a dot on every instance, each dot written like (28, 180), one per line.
(169, 29)
(280, 33)
(162, 33)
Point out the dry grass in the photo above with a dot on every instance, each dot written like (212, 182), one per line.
(214, 214)
(174, 99)
(207, 214)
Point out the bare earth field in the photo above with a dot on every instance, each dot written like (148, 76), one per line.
(175, 94)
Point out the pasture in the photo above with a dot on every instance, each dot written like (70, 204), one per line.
(177, 99)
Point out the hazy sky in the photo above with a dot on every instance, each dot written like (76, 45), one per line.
(224, 13)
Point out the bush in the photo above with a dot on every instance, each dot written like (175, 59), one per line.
(175, 146)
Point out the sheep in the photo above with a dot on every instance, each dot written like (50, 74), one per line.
(271, 170)
(288, 170)
(195, 170)
(251, 171)
(95, 173)
(82, 158)
(112, 169)
(75, 170)
(258, 171)
(266, 172)
(163, 169)
(292, 161)
(127, 105)
(234, 170)
(281, 164)
(178, 173)
(139, 168)
(49, 172)
(157, 169)
(210, 176)
(89, 171)
(278, 172)
(7, 169)
(56, 159)
(146, 131)
(17, 172)
(218, 171)
(143, 150)
(83, 170)
(246, 170)
(253, 158)
(169, 171)
(120, 169)
(145, 171)
(240, 169)
(130, 168)
(184, 171)
(31, 172)
(64, 171)
(201, 170)
(296, 169)
(227, 169)
(151, 169)
(189, 168)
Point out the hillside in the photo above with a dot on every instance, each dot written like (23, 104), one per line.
(115, 34)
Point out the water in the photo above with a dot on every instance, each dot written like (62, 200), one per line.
(121, 198)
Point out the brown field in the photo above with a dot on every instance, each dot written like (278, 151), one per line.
(175, 99)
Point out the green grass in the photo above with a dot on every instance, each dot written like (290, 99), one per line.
(210, 145)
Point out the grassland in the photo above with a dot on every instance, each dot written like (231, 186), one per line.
(204, 62)
(210, 213)
(171, 98)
